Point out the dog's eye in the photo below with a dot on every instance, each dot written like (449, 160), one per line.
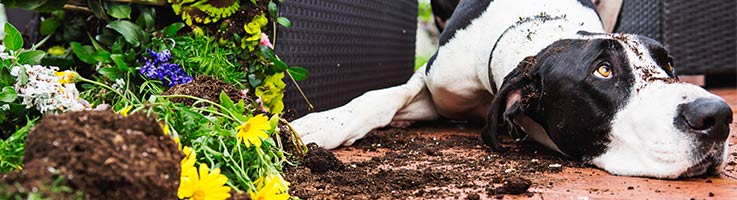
(604, 71)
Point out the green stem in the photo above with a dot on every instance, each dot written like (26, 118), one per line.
(203, 100)
(106, 87)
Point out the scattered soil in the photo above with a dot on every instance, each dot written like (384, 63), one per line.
(204, 87)
(395, 163)
(103, 154)
(321, 160)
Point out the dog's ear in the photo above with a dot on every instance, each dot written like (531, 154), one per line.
(521, 89)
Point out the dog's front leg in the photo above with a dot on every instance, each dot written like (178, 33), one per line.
(348, 123)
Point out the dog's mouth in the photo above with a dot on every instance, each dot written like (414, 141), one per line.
(707, 166)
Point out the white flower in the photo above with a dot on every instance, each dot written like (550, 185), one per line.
(5, 107)
(119, 85)
(3, 55)
(44, 92)
(15, 71)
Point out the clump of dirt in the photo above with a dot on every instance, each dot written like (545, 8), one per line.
(321, 160)
(204, 87)
(513, 185)
(36, 176)
(430, 162)
(105, 155)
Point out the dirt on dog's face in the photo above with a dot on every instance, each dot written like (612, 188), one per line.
(614, 100)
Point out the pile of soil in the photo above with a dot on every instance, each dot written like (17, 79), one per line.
(103, 154)
(203, 87)
(402, 164)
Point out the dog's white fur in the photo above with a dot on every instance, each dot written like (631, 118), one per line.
(451, 89)
(457, 86)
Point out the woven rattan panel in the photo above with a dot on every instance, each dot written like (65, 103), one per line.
(701, 34)
(641, 17)
(349, 47)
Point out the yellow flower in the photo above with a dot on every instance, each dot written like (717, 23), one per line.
(208, 185)
(271, 187)
(125, 111)
(187, 163)
(66, 76)
(253, 131)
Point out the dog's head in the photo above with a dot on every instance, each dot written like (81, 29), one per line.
(613, 100)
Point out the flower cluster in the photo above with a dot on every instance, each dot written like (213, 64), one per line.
(47, 90)
(159, 67)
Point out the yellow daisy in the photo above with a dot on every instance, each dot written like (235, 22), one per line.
(254, 130)
(271, 187)
(208, 185)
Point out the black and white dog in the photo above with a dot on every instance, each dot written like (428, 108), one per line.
(545, 69)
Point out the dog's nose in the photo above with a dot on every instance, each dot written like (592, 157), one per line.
(708, 117)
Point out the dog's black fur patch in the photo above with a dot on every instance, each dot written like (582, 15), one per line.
(465, 12)
(659, 54)
(575, 107)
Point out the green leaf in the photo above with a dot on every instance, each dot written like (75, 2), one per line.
(107, 39)
(119, 10)
(97, 46)
(254, 80)
(8, 94)
(274, 121)
(279, 66)
(267, 52)
(132, 33)
(119, 61)
(171, 30)
(49, 26)
(13, 39)
(84, 53)
(298, 73)
(111, 73)
(23, 75)
(97, 9)
(226, 102)
(273, 9)
(31, 57)
(146, 18)
(51, 5)
(284, 22)
(29, 4)
(5, 77)
(240, 107)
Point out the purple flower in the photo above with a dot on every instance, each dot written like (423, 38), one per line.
(158, 67)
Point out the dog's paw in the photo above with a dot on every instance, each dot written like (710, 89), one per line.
(325, 131)
(401, 124)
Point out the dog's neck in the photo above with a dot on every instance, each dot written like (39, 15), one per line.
(527, 37)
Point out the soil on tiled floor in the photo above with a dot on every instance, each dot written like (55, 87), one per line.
(448, 161)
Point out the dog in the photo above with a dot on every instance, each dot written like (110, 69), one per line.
(546, 70)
